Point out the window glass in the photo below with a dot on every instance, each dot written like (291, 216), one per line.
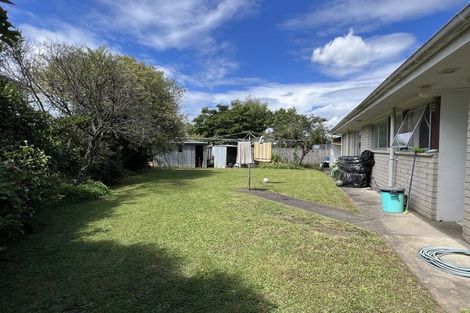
(414, 130)
(380, 135)
(398, 120)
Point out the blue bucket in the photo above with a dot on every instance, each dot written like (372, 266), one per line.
(393, 199)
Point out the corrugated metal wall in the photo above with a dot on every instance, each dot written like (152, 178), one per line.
(184, 159)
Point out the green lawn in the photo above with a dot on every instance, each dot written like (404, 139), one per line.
(187, 241)
(306, 184)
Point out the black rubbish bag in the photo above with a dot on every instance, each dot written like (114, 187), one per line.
(356, 170)
(355, 179)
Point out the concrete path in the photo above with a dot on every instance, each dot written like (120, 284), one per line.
(406, 234)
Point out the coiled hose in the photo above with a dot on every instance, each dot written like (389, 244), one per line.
(432, 256)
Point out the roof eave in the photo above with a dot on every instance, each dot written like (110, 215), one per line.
(440, 40)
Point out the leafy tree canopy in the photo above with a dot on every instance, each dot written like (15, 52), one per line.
(7, 33)
(109, 102)
(242, 115)
(300, 131)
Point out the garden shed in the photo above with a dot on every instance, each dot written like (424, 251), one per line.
(224, 155)
(186, 154)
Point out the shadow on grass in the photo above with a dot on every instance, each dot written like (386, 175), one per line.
(107, 277)
(176, 176)
(65, 268)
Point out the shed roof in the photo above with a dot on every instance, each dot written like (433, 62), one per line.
(192, 142)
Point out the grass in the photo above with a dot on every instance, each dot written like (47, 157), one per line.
(305, 184)
(186, 241)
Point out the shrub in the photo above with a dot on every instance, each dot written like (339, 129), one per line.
(25, 186)
(276, 158)
(280, 165)
(89, 190)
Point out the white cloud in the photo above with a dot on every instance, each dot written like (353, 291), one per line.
(366, 14)
(61, 32)
(351, 53)
(164, 24)
(189, 25)
(331, 100)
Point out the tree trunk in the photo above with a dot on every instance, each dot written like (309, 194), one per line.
(302, 156)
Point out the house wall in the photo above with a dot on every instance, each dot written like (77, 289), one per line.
(350, 144)
(335, 152)
(424, 187)
(466, 215)
(452, 156)
(344, 144)
(366, 138)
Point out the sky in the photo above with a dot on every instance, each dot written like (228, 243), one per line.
(321, 57)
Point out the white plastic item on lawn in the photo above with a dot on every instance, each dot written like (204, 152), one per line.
(265, 180)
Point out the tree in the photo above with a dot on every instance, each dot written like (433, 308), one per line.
(7, 33)
(299, 131)
(242, 115)
(108, 100)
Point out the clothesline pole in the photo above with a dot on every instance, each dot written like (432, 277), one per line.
(249, 164)
(249, 176)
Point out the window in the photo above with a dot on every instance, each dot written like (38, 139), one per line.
(380, 135)
(180, 148)
(354, 143)
(415, 129)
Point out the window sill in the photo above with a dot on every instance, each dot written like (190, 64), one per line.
(427, 153)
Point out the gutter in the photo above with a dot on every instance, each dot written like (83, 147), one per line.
(455, 27)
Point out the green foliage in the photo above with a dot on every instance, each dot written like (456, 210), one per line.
(187, 241)
(7, 33)
(25, 186)
(114, 103)
(280, 165)
(33, 180)
(110, 111)
(299, 131)
(418, 149)
(276, 158)
(247, 115)
(88, 190)
(55, 136)
(19, 121)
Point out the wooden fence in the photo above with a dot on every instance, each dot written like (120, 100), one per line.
(313, 158)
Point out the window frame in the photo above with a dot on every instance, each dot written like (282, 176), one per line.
(424, 117)
(376, 138)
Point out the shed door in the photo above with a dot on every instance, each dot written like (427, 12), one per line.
(199, 160)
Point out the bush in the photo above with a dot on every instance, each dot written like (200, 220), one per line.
(89, 190)
(25, 186)
(280, 165)
(276, 158)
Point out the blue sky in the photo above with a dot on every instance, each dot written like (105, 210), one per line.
(322, 57)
